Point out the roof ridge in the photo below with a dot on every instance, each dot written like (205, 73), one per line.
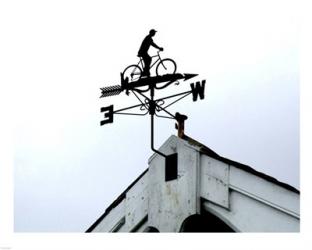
(209, 152)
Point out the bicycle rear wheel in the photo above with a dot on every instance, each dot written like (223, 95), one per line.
(133, 72)
(166, 66)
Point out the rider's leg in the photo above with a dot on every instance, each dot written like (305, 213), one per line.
(147, 63)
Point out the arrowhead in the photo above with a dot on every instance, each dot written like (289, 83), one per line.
(189, 76)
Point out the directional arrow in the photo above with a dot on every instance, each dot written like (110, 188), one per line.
(146, 81)
(111, 90)
(157, 79)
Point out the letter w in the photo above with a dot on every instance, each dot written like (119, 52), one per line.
(198, 90)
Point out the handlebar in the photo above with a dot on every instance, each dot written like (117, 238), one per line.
(159, 51)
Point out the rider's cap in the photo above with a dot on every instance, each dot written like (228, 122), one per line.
(152, 31)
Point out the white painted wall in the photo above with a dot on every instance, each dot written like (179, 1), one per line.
(170, 203)
(244, 201)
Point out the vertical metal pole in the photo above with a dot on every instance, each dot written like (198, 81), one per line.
(152, 108)
(171, 161)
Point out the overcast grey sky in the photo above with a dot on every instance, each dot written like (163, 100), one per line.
(68, 169)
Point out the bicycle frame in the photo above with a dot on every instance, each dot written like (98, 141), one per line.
(152, 64)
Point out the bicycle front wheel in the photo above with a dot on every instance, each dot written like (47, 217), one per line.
(166, 66)
(133, 72)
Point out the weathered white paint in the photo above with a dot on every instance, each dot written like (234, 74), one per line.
(111, 220)
(136, 203)
(214, 181)
(249, 215)
(170, 203)
(244, 201)
(265, 190)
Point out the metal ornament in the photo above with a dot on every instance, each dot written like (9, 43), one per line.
(151, 106)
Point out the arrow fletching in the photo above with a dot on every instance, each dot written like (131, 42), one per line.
(111, 91)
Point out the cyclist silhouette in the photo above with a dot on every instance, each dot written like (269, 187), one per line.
(147, 42)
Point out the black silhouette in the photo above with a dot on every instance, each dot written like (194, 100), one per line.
(164, 66)
(108, 114)
(198, 90)
(165, 75)
(147, 83)
(143, 51)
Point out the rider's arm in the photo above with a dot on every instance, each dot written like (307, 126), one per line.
(155, 45)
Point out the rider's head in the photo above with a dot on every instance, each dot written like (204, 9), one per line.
(152, 32)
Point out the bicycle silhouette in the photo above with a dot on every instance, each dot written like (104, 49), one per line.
(164, 66)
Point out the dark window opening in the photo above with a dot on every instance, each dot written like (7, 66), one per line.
(205, 222)
(151, 230)
(171, 168)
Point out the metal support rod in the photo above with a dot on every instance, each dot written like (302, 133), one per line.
(167, 97)
(155, 101)
(139, 99)
(153, 107)
(134, 106)
(177, 100)
(160, 107)
(152, 138)
(152, 110)
(124, 113)
(162, 116)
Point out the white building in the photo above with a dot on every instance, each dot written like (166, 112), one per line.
(206, 193)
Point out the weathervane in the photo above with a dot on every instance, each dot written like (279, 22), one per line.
(137, 80)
